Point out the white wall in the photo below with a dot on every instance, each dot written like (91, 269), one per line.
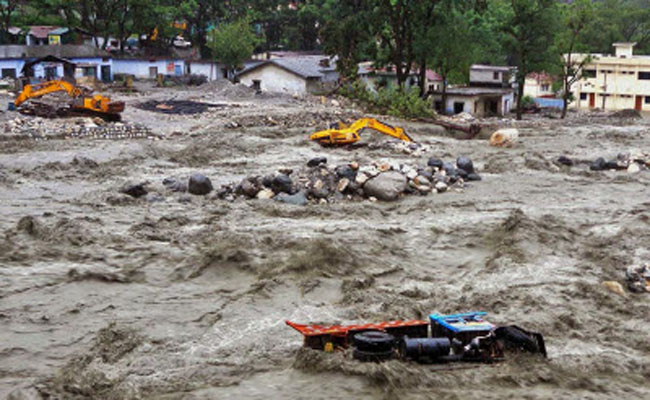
(487, 76)
(140, 68)
(13, 64)
(209, 69)
(275, 79)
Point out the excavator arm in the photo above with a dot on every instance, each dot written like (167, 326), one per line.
(82, 101)
(343, 134)
(41, 89)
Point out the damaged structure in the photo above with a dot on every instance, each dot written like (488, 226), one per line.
(490, 92)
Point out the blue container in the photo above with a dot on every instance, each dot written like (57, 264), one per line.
(11, 106)
(464, 327)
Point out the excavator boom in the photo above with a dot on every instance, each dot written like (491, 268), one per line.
(343, 134)
(81, 100)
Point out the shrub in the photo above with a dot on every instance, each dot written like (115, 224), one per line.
(400, 102)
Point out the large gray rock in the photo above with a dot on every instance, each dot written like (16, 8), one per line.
(199, 184)
(386, 186)
(282, 183)
(298, 199)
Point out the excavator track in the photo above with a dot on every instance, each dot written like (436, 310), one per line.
(45, 110)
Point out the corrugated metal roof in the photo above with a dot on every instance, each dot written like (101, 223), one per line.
(64, 51)
(59, 31)
(41, 31)
(477, 91)
(303, 66)
(492, 68)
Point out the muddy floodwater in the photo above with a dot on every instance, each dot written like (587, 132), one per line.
(176, 296)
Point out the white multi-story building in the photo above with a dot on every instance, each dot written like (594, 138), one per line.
(614, 82)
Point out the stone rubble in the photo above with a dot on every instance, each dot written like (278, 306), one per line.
(65, 128)
(379, 181)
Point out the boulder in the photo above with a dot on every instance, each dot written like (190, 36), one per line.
(422, 180)
(343, 185)
(345, 171)
(298, 199)
(473, 177)
(435, 163)
(465, 163)
(504, 137)
(248, 188)
(386, 186)
(174, 185)
(319, 190)
(282, 183)
(598, 165)
(134, 189)
(441, 187)
(265, 194)
(633, 168)
(199, 184)
(316, 161)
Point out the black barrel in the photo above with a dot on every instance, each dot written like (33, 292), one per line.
(425, 348)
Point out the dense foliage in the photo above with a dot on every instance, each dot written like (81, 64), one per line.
(406, 35)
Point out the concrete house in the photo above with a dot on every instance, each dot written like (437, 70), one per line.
(292, 75)
(490, 93)
(88, 61)
(614, 82)
(539, 84)
(38, 35)
(384, 77)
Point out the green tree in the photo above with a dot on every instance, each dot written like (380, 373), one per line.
(569, 41)
(233, 43)
(7, 10)
(453, 41)
(528, 30)
(347, 33)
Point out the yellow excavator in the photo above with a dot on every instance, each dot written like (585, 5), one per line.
(342, 134)
(82, 101)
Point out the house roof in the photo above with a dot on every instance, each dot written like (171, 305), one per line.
(433, 76)
(304, 66)
(367, 67)
(14, 30)
(59, 31)
(41, 31)
(63, 51)
(492, 68)
(477, 91)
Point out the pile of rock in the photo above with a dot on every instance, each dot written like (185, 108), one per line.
(632, 161)
(638, 278)
(386, 181)
(65, 128)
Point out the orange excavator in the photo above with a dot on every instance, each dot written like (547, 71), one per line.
(342, 134)
(82, 101)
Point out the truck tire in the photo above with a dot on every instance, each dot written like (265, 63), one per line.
(372, 356)
(374, 341)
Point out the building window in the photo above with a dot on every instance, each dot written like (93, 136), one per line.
(496, 76)
(8, 73)
(153, 72)
(437, 105)
(589, 73)
(431, 88)
(257, 84)
(583, 96)
(89, 71)
(545, 88)
(459, 107)
(644, 75)
(647, 99)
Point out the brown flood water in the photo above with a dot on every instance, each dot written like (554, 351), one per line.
(102, 296)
